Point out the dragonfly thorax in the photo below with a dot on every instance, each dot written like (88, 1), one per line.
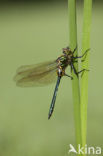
(63, 61)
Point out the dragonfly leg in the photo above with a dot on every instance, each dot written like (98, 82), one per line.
(82, 55)
(82, 71)
(75, 49)
(75, 61)
(73, 68)
(69, 76)
(54, 98)
(77, 73)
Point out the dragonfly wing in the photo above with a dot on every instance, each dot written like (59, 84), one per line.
(36, 75)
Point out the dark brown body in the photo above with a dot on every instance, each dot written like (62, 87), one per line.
(64, 60)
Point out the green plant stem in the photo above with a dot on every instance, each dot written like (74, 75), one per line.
(85, 65)
(75, 81)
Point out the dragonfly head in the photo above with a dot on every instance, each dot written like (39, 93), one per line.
(67, 51)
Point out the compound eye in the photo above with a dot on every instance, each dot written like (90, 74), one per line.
(64, 52)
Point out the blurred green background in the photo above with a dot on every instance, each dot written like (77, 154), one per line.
(31, 33)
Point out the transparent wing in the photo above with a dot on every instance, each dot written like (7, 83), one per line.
(36, 75)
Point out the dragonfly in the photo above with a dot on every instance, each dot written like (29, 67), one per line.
(48, 72)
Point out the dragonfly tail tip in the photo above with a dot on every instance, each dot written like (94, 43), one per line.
(49, 116)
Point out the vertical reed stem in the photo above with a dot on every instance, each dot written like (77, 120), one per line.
(75, 81)
(85, 65)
